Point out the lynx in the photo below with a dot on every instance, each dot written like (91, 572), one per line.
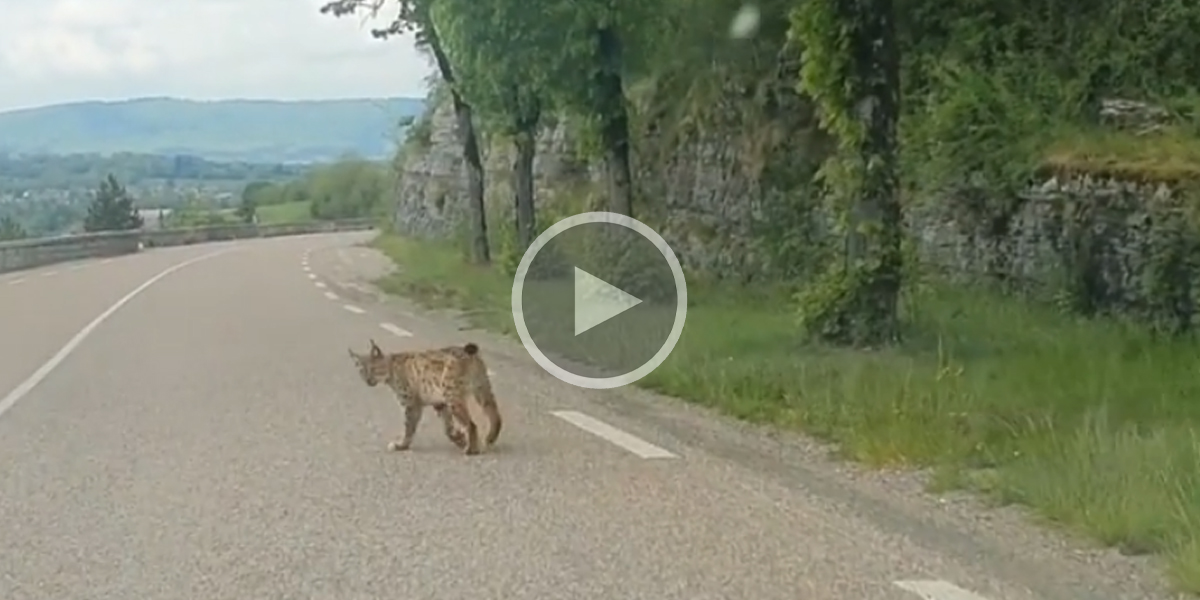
(442, 378)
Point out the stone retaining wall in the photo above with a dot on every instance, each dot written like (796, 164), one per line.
(28, 254)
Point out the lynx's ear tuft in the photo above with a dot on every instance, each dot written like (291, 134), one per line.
(471, 348)
(376, 352)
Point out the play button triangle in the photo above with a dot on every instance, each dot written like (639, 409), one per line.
(597, 301)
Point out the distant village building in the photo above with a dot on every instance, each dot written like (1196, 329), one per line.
(152, 218)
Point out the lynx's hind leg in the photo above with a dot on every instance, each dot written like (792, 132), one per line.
(487, 401)
(449, 426)
(458, 407)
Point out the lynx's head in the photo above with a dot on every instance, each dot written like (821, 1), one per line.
(372, 367)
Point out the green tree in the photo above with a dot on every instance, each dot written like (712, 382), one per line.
(352, 187)
(413, 16)
(247, 210)
(851, 67)
(256, 192)
(506, 57)
(111, 209)
(11, 230)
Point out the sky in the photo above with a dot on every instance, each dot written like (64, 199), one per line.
(55, 51)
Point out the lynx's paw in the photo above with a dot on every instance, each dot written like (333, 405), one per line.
(397, 446)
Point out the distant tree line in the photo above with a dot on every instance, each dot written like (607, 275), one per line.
(350, 188)
(39, 172)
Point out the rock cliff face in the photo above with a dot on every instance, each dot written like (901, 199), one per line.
(1127, 246)
(709, 201)
(701, 193)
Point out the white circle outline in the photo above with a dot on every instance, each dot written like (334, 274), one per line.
(600, 383)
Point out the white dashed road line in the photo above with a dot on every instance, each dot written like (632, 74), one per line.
(320, 284)
(611, 434)
(937, 590)
(331, 295)
(312, 276)
(396, 329)
(49, 273)
(106, 261)
(78, 267)
(354, 309)
(16, 281)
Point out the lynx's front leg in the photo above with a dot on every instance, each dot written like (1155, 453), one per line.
(412, 418)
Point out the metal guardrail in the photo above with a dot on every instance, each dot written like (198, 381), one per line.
(28, 254)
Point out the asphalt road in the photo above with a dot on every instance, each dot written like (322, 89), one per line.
(209, 438)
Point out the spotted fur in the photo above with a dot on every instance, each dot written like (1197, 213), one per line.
(442, 378)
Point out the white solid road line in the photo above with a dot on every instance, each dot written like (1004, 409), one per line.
(611, 434)
(331, 295)
(937, 590)
(24, 388)
(396, 329)
(106, 261)
(354, 309)
(78, 267)
(49, 273)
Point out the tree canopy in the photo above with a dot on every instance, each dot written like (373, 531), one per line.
(857, 104)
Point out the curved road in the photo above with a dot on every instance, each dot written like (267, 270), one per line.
(201, 434)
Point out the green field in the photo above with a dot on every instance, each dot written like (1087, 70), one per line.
(288, 212)
(978, 393)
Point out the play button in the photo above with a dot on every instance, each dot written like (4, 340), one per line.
(599, 300)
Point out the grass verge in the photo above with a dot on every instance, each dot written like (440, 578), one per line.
(1092, 424)
(1171, 155)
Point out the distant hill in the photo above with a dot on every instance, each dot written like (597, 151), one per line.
(226, 130)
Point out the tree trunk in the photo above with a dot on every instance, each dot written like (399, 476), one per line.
(522, 174)
(480, 252)
(614, 125)
(875, 219)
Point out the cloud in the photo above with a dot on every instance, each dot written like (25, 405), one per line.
(66, 50)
